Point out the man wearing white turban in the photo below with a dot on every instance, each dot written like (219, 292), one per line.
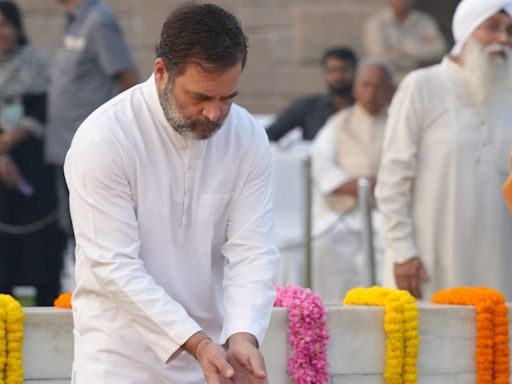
(445, 159)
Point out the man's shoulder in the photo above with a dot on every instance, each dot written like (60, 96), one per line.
(112, 118)
(341, 116)
(101, 15)
(310, 101)
(423, 77)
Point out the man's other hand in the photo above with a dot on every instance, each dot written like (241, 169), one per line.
(246, 359)
(211, 357)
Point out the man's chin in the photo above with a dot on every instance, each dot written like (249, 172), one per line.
(202, 134)
(341, 91)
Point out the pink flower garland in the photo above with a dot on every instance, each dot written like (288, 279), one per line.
(307, 334)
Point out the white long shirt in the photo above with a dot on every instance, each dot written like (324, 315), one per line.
(348, 146)
(439, 186)
(173, 236)
(405, 45)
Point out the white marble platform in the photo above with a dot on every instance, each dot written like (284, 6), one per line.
(356, 349)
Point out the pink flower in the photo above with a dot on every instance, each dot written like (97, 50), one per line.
(307, 334)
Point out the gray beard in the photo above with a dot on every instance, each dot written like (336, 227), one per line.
(490, 79)
(190, 129)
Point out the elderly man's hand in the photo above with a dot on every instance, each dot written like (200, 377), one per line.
(409, 275)
(245, 357)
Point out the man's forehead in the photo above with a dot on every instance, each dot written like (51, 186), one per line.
(500, 15)
(213, 83)
(337, 61)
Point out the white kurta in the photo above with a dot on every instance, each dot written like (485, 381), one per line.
(405, 45)
(439, 186)
(348, 146)
(172, 236)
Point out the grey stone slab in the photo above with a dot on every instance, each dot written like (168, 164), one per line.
(48, 343)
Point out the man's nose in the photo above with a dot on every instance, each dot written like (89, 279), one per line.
(505, 38)
(212, 113)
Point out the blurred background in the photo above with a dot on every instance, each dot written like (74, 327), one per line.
(287, 37)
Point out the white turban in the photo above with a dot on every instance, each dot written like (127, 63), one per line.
(470, 14)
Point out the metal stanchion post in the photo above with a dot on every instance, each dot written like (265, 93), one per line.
(364, 194)
(308, 219)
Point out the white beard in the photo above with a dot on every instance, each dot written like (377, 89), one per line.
(490, 78)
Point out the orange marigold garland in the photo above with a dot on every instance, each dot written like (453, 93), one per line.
(492, 350)
(63, 301)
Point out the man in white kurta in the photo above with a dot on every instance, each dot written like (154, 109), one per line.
(173, 234)
(445, 160)
(346, 149)
(405, 37)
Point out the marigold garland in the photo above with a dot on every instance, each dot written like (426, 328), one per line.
(3, 343)
(492, 349)
(307, 334)
(63, 301)
(11, 340)
(401, 327)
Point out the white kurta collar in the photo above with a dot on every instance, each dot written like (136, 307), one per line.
(362, 114)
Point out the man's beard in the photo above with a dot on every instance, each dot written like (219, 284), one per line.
(490, 77)
(189, 128)
(341, 90)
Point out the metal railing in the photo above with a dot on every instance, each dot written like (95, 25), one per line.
(365, 204)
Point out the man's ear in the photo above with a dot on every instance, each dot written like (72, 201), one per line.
(161, 74)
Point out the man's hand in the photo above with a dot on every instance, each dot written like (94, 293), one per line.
(409, 275)
(245, 357)
(10, 139)
(351, 187)
(211, 357)
(348, 188)
(10, 174)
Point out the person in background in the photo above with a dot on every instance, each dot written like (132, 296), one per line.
(445, 160)
(30, 240)
(346, 149)
(171, 205)
(406, 38)
(91, 66)
(310, 113)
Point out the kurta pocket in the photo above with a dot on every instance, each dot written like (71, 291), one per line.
(213, 215)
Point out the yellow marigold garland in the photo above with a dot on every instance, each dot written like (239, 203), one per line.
(3, 343)
(11, 340)
(401, 327)
(492, 349)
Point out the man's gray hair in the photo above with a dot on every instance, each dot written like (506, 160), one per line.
(381, 64)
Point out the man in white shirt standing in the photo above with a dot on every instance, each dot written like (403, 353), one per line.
(170, 201)
(347, 148)
(405, 37)
(445, 160)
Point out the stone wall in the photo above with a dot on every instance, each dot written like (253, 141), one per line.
(286, 38)
(356, 350)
